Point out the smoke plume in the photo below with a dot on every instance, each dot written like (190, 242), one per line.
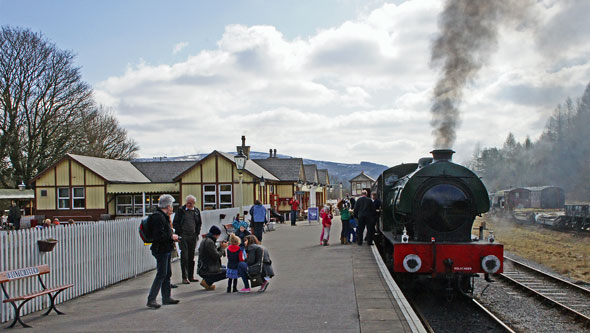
(468, 35)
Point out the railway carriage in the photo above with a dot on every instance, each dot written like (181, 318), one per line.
(428, 212)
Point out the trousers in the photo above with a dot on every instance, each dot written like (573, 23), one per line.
(187, 256)
(258, 230)
(162, 279)
(369, 223)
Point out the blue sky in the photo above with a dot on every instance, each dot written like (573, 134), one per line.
(337, 80)
(107, 35)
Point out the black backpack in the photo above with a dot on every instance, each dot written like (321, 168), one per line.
(145, 231)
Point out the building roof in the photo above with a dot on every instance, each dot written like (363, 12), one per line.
(114, 171)
(285, 169)
(323, 176)
(163, 172)
(361, 176)
(253, 167)
(311, 173)
(541, 188)
(14, 194)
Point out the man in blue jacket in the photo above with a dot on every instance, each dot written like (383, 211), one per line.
(258, 213)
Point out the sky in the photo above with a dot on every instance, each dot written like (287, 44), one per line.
(335, 80)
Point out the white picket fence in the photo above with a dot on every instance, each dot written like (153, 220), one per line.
(90, 255)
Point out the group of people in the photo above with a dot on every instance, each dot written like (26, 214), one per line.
(356, 216)
(247, 259)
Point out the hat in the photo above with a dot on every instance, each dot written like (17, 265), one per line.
(243, 224)
(214, 230)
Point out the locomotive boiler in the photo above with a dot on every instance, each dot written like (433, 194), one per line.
(428, 210)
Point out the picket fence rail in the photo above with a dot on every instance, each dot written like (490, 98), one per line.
(90, 255)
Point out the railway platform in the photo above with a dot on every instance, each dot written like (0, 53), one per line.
(316, 288)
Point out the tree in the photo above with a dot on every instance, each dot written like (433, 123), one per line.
(101, 136)
(44, 106)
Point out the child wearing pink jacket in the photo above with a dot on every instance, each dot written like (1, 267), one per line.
(326, 215)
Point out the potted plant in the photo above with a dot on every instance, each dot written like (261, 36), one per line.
(46, 245)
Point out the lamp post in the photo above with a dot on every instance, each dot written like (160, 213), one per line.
(341, 191)
(240, 160)
(262, 189)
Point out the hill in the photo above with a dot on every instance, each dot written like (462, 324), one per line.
(339, 172)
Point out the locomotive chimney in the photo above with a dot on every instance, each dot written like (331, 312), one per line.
(442, 155)
(275, 153)
(270, 153)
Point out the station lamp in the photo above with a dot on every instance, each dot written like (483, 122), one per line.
(240, 160)
(262, 181)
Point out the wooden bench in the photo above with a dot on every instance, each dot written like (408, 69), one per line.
(29, 272)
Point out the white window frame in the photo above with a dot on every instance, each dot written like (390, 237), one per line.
(74, 197)
(117, 204)
(230, 203)
(209, 193)
(60, 198)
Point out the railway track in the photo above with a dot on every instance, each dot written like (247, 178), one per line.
(492, 316)
(568, 297)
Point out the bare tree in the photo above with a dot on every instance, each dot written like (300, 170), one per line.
(101, 136)
(43, 106)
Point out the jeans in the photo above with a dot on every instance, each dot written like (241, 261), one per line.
(187, 256)
(162, 279)
(212, 278)
(293, 217)
(243, 273)
(258, 229)
(345, 229)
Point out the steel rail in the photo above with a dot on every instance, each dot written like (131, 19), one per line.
(493, 316)
(585, 319)
(549, 276)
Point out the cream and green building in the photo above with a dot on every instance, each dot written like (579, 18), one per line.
(90, 188)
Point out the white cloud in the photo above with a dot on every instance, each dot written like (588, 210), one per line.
(179, 47)
(359, 91)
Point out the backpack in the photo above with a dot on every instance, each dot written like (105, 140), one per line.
(144, 230)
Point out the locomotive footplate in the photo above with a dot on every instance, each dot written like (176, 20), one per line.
(443, 258)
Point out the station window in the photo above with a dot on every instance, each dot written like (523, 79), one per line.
(124, 205)
(63, 198)
(225, 196)
(79, 198)
(209, 197)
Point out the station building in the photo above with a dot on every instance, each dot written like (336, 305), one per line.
(90, 188)
(359, 183)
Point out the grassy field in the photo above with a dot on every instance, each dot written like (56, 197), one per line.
(566, 253)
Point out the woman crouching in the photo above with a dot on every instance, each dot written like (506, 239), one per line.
(257, 264)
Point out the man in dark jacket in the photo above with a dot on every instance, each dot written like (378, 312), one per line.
(187, 225)
(14, 215)
(210, 268)
(364, 212)
(162, 246)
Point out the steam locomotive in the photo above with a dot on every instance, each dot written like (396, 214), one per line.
(425, 227)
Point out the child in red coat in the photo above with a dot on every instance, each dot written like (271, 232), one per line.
(326, 215)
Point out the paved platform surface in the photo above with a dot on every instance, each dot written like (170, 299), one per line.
(316, 289)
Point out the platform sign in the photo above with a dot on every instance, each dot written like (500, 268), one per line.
(299, 192)
(312, 214)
